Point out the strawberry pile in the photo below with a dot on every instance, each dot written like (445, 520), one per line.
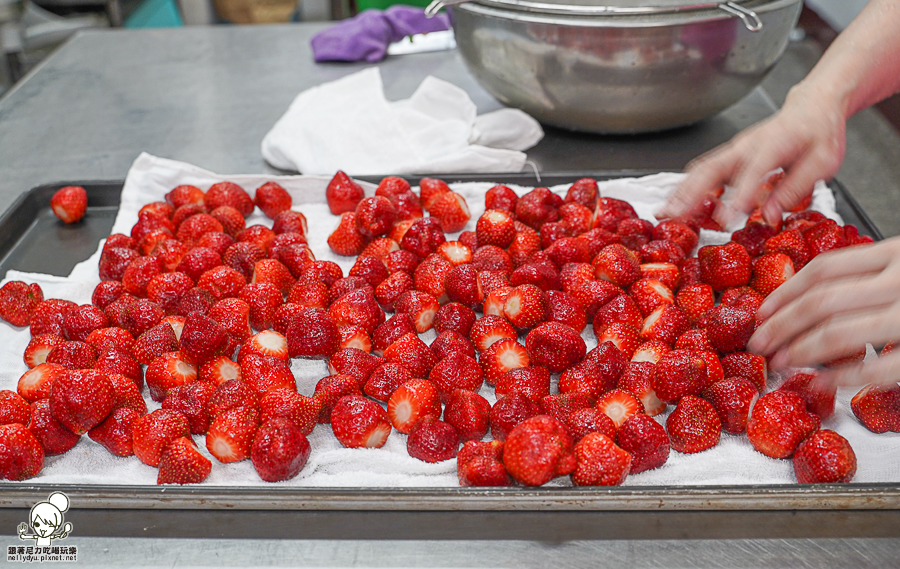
(204, 315)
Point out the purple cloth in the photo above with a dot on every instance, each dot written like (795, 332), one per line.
(366, 36)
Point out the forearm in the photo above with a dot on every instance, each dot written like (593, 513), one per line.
(862, 66)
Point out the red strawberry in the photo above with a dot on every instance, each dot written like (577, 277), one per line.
(824, 457)
(69, 203)
(81, 399)
(455, 317)
(18, 302)
(370, 269)
(115, 433)
(431, 274)
(431, 189)
(679, 232)
(231, 219)
(423, 237)
(500, 197)
(421, 307)
(468, 413)
(39, 348)
(35, 383)
(462, 285)
(824, 236)
(526, 306)
(637, 379)
(346, 238)
(432, 440)
(272, 199)
(729, 328)
(749, 366)
(347, 285)
(106, 292)
(695, 300)
(199, 260)
(533, 382)
(651, 351)
(222, 282)
(771, 271)
(202, 339)
(183, 195)
(233, 393)
(724, 266)
(241, 257)
(392, 288)
(538, 450)
(182, 463)
(525, 245)
(554, 346)
(53, 436)
(490, 329)
(455, 252)
(646, 440)
(266, 343)
(343, 194)
(495, 300)
(264, 373)
(662, 251)
(622, 310)
(168, 371)
(412, 353)
(791, 243)
(456, 371)
(312, 333)
(73, 355)
(385, 379)
(649, 294)
(358, 422)
(695, 339)
(153, 432)
(732, 399)
(354, 337)
(285, 403)
(617, 264)
(679, 373)
(619, 405)
(666, 324)
(231, 194)
(48, 316)
(694, 425)
(589, 420)
(192, 400)
(13, 408)
(231, 433)
(509, 411)
(563, 308)
(274, 272)
(448, 342)
(386, 334)
(358, 308)
(355, 363)
(332, 388)
(479, 464)
(538, 207)
(21, 455)
(596, 374)
(391, 186)
(666, 273)
(501, 357)
(577, 217)
(584, 192)
(495, 227)
(878, 407)
(219, 370)
(166, 290)
(562, 405)
(779, 422)
(279, 451)
(600, 462)
(411, 402)
(819, 398)
(610, 213)
(375, 216)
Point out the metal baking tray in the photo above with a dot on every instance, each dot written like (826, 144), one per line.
(31, 239)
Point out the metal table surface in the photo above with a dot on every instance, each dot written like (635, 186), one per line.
(207, 96)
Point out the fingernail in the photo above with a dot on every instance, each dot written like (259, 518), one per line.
(779, 360)
(758, 342)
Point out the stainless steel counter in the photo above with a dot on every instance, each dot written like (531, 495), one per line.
(208, 95)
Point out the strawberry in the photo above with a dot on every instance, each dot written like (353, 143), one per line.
(35, 383)
(666, 324)
(495, 227)
(308, 292)
(791, 243)
(525, 245)
(182, 195)
(272, 199)
(423, 237)
(286, 404)
(693, 426)
(661, 251)
(526, 306)
(694, 339)
(819, 398)
(346, 238)
(202, 339)
(600, 462)
(222, 282)
(533, 382)
(81, 399)
(596, 374)
(138, 316)
(392, 288)
(114, 261)
(679, 232)
(343, 194)
(13, 408)
(462, 285)
(264, 373)
(749, 366)
(538, 207)
(360, 423)
(584, 192)
(219, 370)
(432, 440)
(455, 252)
(266, 343)
(166, 372)
(181, 463)
(354, 337)
(54, 437)
(241, 257)
(679, 373)
(330, 389)
(230, 194)
(296, 256)
(620, 310)
(230, 394)
(153, 432)
(374, 216)
(803, 219)
(192, 400)
(779, 422)
(729, 328)
(753, 237)
(490, 329)
(824, 458)
(354, 362)
(554, 346)
(637, 379)
(431, 274)
(646, 440)
(562, 405)
(732, 399)
(563, 308)
(412, 353)
(199, 260)
(576, 217)
(21, 455)
(411, 402)
(166, 290)
(392, 186)
(611, 211)
(649, 294)
(194, 227)
(18, 301)
(824, 236)
(456, 371)
(385, 379)
(479, 464)
(589, 420)
(771, 271)
(468, 413)
(467, 238)
(448, 342)
(455, 317)
(115, 433)
(542, 274)
(618, 265)
(386, 334)
(274, 272)
(39, 348)
(279, 451)
(598, 238)
(347, 285)
(619, 405)
(370, 269)
(106, 292)
(537, 450)
(500, 197)
(359, 308)
(312, 333)
(69, 203)
(49, 315)
(666, 273)
(508, 412)
(420, 306)
(231, 433)
(231, 219)
(724, 266)
(501, 357)
(695, 300)
(430, 190)
(593, 294)
(878, 407)
(651, 351)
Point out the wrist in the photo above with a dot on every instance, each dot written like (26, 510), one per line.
(828, 99)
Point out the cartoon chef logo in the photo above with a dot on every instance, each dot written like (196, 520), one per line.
(47, 521)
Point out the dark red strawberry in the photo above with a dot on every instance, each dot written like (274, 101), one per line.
(456, 371)
(374, 216)
(264, 373)
(312, 333)
(538, 450)
(222, 282)
(819, 398)
(646, 440)
(878, 407)
(679, 232)
(679, 373)
(732, 399)
(286, 404)
(192, 400)
(81, 399)
(21, 455)
(115, 432)
(279, 451)
(69, 203)
(18, 300)
(533, 382)
(203, 339)
(825, 457)
(432, 440)
(182, 463)
(753, 237)
(538, 207)
(230, 394)
(412, 353)
(729, 328)
(779, 422)
(360, 423)
(53, 436)
(694, 425)
(385, 379)
(230, 435)
(272, 199)
(600, 462)
(49, 315)
(554, 346)
(153, 432)
(480, 464)
(749, 366)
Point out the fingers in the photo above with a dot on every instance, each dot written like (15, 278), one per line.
(798, 183)
(703, 176)
(884, 370)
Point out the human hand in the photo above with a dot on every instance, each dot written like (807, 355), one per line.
(806, 138)
(837, 303)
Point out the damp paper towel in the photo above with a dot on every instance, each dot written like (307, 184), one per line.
(732, 461)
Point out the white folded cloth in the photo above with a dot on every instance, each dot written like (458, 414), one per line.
(349, 125)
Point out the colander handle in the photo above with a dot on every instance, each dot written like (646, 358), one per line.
(438, 5)
(749, 17)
